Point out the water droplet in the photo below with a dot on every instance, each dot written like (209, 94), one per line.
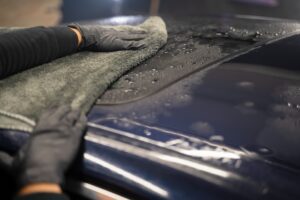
(167, 104)
(238, 164)
(147, 132)
(128, 90)
(263, 150)
(298, 106)
(216, 138)
(246, 84)
(265, 191)
(154, 81)
(226, 160)
(249, 104)
(184, 144)
(289, 105)
(259, 149)
(172, 67)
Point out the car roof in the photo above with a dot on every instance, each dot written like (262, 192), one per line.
(193, 43)
(239, 116)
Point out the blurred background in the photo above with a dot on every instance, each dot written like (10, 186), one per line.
(52, 12)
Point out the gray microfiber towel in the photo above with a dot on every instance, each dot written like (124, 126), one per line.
(77, 80)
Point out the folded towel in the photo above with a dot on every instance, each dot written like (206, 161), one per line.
(77, 80)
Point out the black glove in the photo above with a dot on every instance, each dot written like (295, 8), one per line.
(5, 161)
(51, 148)
(99, 38)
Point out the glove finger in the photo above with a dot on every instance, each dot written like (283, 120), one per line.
(129, 45)
(81, 123)
(47, 113)
(61, 112)
(6, 160)
(126, 36)
(136, 45)
(71, 117)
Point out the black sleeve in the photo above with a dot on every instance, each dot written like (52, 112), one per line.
(26, 48)
(43, 196)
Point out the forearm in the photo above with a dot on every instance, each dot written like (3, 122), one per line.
(78, 35)
(40, 188)
(26, 48)
(41, 191)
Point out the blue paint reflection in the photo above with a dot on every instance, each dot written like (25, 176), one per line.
(127, 175)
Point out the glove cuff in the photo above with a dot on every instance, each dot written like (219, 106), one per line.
(76, 26)
(31, 176)
(87, 39)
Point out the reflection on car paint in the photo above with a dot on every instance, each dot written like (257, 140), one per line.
(202, 170)
(229, 117)
(127, 175)
(229, 130)
(168, 139)
(90, 191)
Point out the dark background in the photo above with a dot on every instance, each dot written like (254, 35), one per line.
(74, 10)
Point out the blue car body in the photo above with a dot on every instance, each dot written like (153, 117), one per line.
(228, 130)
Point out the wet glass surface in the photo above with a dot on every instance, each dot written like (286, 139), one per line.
(240, 103)
(234, 125)
(192, 44)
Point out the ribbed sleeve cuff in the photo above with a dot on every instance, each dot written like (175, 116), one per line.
(66, 39)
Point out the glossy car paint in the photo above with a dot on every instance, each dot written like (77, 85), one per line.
(234, 125)
(229, 131)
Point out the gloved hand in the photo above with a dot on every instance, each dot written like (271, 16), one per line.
(99, 38)
(51, 148)
(5, 161)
